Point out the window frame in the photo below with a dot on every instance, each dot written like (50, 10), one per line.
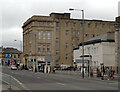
(43, 35)
(43, 47)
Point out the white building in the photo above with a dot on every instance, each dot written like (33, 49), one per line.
(100, 49)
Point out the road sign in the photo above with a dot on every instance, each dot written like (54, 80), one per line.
(48, 58)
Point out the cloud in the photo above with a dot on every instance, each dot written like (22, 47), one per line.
(16, 12)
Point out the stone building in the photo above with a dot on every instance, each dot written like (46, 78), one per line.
(57, 35)
(117, 46)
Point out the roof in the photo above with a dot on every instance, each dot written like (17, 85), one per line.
(101, 37)
(98, 39)
(11, 50)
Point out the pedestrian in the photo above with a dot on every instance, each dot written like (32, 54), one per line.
(54, 70)
(108, 73)
(112, 75)
(102, 75)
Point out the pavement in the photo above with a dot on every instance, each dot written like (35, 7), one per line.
(78, 74)
(7, 86)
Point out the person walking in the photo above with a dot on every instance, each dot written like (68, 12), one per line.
(112, 75)
(102, 75)
(108, 73)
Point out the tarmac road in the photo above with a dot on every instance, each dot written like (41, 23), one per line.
(41, 81)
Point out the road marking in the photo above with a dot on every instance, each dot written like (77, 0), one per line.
(60, 83)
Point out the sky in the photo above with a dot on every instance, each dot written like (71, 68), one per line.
(15, 12)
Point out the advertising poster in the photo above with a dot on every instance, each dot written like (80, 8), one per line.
(12, 61)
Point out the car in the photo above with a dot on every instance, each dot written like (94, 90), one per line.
(13, 67)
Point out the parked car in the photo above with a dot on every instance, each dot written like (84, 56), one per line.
(13, 67)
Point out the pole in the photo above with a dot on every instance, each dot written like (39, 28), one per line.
(20, 45)
(82, 44)
(35, 53)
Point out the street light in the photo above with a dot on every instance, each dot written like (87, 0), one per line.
(35, 61)
(20, 49)
(82, 38)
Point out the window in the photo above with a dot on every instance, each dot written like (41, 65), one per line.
(67, 23)
(66, 45)
(73, 47)
(57, 63)
(93, 35)
(67, 31)
(81, 24)
(14, 56)
(57, 24)
(73, 39)
(39, 35)
(96, 25)
(57, 29)
(57, 52)
(78, 39)
(103, 25)
(43, 47)
(73, 32)
(89, 25)
(48, 23)
(39, 22)
(48, 35)
(57, 40)
(48, 47)
(94, 50)
(74, 24)
(39, 48)
(66, 56)
(78, 32)
(43, 22)
(86, 35)
(15, 62)
(43, 35)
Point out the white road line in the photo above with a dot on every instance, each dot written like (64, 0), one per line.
(60, 83)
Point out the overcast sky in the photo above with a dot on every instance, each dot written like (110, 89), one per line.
(16, 12)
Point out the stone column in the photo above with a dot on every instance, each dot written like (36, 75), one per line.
(118, 43)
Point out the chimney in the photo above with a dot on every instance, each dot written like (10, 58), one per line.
(60, 15)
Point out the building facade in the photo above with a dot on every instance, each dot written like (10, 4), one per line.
(117, 45)
(57, 35)
(11, 56)
(1, 54)
(97, 51)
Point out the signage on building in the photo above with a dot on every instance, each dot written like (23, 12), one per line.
(7, 55)
(48, 58)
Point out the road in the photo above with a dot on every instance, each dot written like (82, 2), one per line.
(41, 81)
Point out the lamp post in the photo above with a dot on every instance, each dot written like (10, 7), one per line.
(82, 38)
(20, 49)
(35, 61)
